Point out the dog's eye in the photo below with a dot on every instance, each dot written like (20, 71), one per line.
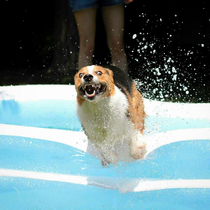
(81, 74)
(99, 73)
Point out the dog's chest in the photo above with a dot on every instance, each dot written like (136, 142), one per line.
(106, 119)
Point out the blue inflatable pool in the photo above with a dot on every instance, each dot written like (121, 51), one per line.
(45, 162)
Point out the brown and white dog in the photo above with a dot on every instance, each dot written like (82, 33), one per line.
(110, 109)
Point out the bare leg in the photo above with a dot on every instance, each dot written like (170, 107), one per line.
(86, 24)
(113, 18)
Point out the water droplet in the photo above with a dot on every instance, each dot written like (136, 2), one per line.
(134, 36)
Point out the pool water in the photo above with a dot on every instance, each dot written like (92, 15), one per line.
(45, 164)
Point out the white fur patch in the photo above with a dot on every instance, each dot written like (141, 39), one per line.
(106, 120)
(90, 69)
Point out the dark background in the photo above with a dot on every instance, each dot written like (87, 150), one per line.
(167, 44)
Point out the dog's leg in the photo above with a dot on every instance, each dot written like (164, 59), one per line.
(108, 155)
(137, 146)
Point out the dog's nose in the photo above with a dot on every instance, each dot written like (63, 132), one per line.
(88, 77)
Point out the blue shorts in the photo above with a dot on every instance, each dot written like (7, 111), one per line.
(84, 4)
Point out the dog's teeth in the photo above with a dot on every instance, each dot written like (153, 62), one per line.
(84, 87)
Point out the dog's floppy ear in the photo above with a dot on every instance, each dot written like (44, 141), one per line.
(109, 72)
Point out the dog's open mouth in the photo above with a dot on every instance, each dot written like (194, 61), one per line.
(91, 90)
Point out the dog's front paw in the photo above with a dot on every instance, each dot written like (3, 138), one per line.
(138, 150)
(105, 163)
(112, 158)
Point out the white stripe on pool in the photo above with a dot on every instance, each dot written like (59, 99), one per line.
(123, 185)
(79, 140)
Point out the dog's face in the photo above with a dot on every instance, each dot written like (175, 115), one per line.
(93, 83)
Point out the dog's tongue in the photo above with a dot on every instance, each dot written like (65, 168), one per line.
(90, 89)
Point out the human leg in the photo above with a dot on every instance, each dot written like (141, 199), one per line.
(86, 24)
(113, 17)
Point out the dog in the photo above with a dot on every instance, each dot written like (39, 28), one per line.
(110, 109)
